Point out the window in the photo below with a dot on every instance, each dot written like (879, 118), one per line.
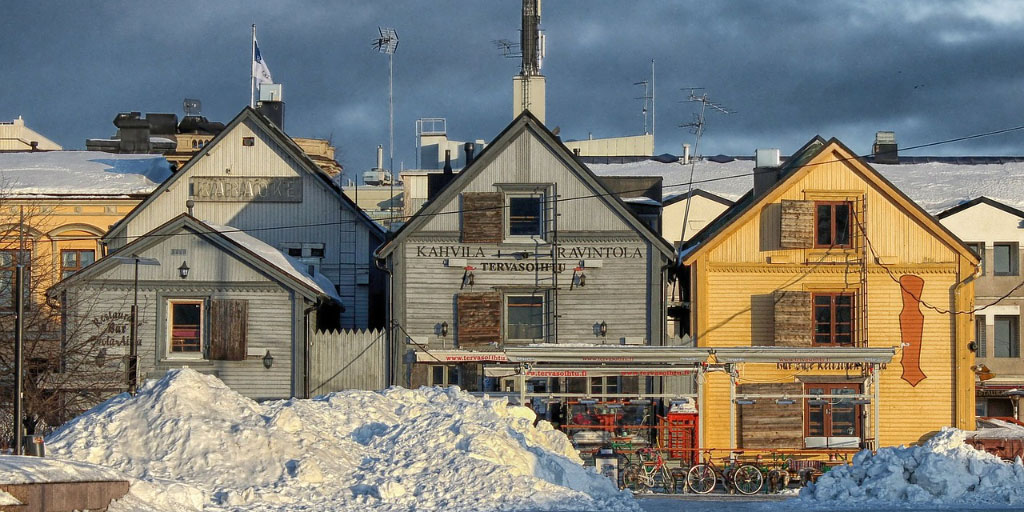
(831, 418)
(73, 260)
(525, 215)
(9, 260)
(524, 317)
(1004, 259)
(832, 224)
(833, 319)
(978, 248)
(444, 375)
(601, 386)
(1007, 336)
(186, 327)
(979, 334)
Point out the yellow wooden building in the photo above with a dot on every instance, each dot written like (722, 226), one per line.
(836, 310)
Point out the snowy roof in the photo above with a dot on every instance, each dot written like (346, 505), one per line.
(275, 257)
(81, 173)
(935, 185)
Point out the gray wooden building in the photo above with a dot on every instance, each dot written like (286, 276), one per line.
(524, 246)
(259, 251)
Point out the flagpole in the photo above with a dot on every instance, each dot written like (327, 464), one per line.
(252, 71)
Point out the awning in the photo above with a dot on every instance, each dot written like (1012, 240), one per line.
(600, 371)
(459, 356)
(803, 355)
(611, 354)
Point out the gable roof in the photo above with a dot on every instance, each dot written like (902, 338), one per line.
(283, 140)
(795, 168)
(675, 198)
(246, 248)
(523, 123)
(975, 202)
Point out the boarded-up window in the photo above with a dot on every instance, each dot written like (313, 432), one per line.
(797, 224)
(793, 324)
(479, 318)
(482, 217)
(229, 321)
(767, 423)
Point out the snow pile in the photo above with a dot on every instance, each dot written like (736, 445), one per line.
(192, 441)
(943, 470)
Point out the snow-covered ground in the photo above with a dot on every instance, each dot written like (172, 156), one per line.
(187, 442)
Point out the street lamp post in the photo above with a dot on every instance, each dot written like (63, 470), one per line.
(133, 347)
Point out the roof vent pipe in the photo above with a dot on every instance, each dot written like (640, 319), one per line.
(380, 156)
(448, 161)
(686, 154)
(469, 147)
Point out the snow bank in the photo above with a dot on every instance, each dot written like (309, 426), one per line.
(943, 470)
(192, 441)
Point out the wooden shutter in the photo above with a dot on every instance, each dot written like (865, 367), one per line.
(228, 329)
(766, 424)
(797, 224)
(479, 319)
(483, 219)
(793, 318)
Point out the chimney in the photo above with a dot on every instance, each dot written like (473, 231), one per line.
(34, 145)
(686, 153)
(766, 169)
(380, 156)
(885, 149)
(448, 161)
(469, 147)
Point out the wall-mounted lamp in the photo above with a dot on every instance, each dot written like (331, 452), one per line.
(183, 270)
(860, 401)
(268, 360)
(972, 346)
(603, 328)
(816, 402)
(467, 277)
(745, 401)
(444, 329)
(785, 401)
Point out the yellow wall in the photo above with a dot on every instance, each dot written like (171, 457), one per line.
(738, 271)
(53, 225)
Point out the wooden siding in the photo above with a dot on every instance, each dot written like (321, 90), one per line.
(320, 218)
(346, 360)
(617, 293)
(528, 160)
(894, 234)
(765, 424)
(269, 328)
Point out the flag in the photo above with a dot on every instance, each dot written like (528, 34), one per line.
(259, 68)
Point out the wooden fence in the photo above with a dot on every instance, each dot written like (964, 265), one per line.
(346, 360)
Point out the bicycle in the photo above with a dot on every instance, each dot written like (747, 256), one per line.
(645, 475)
(744, 478)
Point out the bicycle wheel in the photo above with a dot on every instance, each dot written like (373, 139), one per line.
(668, 481)
(747, 479)
(632, 479)
(701, 479)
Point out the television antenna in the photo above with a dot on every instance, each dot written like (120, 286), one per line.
(192, 107)
(697, 128)
(648, 98)
(387, 43)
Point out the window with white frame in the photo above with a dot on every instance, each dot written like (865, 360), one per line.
(185, 328)
(524, 317)
(525, 215)
(979, 250)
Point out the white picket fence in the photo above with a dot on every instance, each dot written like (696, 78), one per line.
(346, 360)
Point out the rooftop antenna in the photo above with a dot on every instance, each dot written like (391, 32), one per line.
(697, 128)
(648, 98)
(387, 43)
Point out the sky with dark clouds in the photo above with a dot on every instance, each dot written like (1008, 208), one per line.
(789, 70)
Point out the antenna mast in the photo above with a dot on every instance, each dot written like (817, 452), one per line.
(697, 128)
(387, 43)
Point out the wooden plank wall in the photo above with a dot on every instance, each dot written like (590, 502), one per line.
(347, 359)
(765, 424)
